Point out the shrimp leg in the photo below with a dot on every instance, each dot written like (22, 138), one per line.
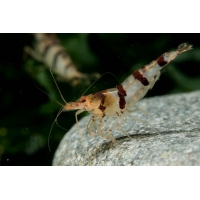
(142, 121)
(120, 126)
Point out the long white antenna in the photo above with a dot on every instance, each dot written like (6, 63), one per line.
(49, 96)
(57, 86)
(55, 121)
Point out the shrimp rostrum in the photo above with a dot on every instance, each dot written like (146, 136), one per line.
(117, 102)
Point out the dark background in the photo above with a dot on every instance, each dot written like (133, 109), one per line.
(26, 114)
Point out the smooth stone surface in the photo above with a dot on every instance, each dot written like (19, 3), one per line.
(176, 118)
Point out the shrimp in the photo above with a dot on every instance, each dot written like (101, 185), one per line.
(114, 104)
(49, 51)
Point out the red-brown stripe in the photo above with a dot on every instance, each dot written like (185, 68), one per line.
(161, 61)
(122, 103)
(140, 77)
(101, 96)
(102, 108)
(121, 93)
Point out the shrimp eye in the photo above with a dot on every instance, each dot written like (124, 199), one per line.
(83, 100)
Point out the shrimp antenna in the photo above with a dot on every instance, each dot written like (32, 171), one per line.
(55, 121)
(61, 126)
(98, 79)
(57, 86)
(49, 96)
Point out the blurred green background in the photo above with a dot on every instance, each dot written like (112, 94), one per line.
(26, 114)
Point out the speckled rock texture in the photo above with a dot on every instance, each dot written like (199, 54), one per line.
(176, 141)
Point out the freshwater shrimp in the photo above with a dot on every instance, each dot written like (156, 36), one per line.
(48, 50)
(117, 102)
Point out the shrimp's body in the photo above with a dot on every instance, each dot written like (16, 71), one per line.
(116, 102)
(48, 50)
